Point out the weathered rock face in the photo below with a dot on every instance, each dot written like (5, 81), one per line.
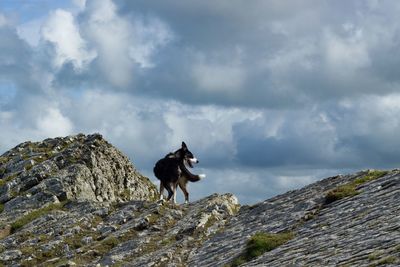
(75, 168)
(77, 201)
(358, 230)
(134, 233)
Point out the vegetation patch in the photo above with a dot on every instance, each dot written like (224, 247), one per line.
(150, 246)
(153, 218)
(38, 256)
(261, 243)
(20, 222)
(385, 261)
(374, 256)
(106, 245)
(350, 189)
(128, 235)
(8, 178)
(3, 160)
(168, 241)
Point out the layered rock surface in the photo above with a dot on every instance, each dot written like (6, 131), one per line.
(360, 230)
(78, 201)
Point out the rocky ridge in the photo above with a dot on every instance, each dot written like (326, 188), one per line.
(78, 201)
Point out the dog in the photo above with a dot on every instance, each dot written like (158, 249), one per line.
(172, 171)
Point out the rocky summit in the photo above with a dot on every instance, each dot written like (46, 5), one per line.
(78, 201)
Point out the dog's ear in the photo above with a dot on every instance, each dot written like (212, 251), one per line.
(184, 145)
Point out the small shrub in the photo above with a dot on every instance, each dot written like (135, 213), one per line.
(347, 190)
(374, 256)
(261, 243)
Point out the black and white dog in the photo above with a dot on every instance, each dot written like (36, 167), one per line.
(172, 171)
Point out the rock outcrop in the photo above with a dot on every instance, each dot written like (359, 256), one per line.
(78, 201)
(75, 167)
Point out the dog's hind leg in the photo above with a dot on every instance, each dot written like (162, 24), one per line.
(182, 186)
(170, 191)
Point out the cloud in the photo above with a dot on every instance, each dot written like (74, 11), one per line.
(124, 45)
(61, 30)
(30, 31)
(353, 134)
(303, 138)
(290, 54)
(226, 77)
(16, 58)
(53, 123)
(3, 20)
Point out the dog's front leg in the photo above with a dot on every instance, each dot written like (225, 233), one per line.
(161, 192)
(174, 190)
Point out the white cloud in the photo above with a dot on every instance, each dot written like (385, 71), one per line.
(52, 123)
(61, 30)
(122, 43)
(30, 31)
(148, 37)
(80, 3)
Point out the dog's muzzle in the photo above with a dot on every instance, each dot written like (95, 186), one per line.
(194, 160)
(191, 161)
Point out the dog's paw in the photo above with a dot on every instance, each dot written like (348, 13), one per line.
(202, 176)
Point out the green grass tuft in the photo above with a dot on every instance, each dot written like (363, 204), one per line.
(350, 189)
(261, 243)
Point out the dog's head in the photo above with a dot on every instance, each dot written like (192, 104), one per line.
(184, 154)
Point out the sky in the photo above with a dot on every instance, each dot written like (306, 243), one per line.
(269, 95)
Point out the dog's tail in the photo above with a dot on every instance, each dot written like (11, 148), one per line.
(196, 178)
(190, 176)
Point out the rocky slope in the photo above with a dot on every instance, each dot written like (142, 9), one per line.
(78, 201)
(362, 229)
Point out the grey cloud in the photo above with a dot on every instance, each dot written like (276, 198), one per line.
(263, 54)
(351, 134)
(16, 60)
(266, 40)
